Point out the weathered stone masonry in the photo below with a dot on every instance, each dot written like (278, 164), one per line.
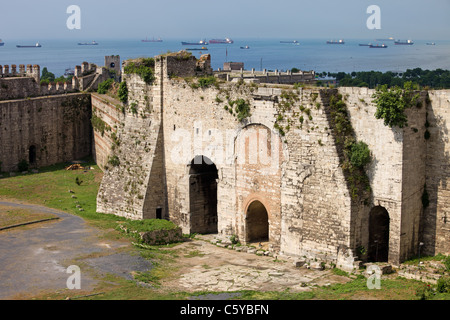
(275, 176)
(304, 201)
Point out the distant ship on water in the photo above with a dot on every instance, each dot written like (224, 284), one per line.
(152, 40)
(93, 43)
(200, 43)
(378, 46)
(37, 45)
(336, 42)
(1, 43)
(221, 41)
(404, 42)
(294, 41)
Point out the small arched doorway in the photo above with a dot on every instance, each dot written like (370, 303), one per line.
(257, 222)
(203, 195)
(32, 155)
(378, 235)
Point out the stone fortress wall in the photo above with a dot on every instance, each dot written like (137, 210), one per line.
(49, 123)
(305, 198)
(285, 187)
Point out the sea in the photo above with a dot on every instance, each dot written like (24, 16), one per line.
(269, 54)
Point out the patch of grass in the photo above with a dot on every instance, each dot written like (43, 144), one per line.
(50, 187)
(12, 216)
(193, 254)
(149, 225)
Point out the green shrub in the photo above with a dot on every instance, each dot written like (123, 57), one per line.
(392, 103)
(144, 68)
(443, 285)
(447, 263)
(206, 82)
(360, 154)
(105, 86)
(425, 292)
(23, 166)
(242, 109)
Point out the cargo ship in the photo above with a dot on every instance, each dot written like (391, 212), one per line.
(378, 46)
(37, 45)
(1, 43)
(336, 42)
(221, 41)
(152, 40)
(294, 41)
(200, 43)
(365, 44)
(93, 43)
(404, 42)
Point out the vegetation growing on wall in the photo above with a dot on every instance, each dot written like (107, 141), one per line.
(354, 155)
(123, 92)
(105, 86)
(98, 124)
(144, 67)
(392, 103)
(241, 108)
(204, 82)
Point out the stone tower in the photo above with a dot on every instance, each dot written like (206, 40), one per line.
(112, 63)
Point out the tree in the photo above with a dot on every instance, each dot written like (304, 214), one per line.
(47, 76)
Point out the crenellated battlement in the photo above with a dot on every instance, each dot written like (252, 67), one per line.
(31, 71)
(24, 81)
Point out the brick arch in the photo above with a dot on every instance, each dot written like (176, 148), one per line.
(259, 180)
(257, 219)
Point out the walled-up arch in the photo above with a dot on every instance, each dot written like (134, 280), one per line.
(203, 195)
(259, 158)
(379, 222)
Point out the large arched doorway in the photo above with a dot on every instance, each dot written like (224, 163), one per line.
(257, 222)
(203, 195)
(378, 235)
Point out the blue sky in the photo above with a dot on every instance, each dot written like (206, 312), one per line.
(195, 19)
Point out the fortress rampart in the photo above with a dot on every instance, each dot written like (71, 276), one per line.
(258, 161)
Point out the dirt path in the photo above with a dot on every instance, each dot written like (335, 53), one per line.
(34, 260)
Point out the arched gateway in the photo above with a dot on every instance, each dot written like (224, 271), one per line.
(378, 235)
(257, 222)
(203, 195)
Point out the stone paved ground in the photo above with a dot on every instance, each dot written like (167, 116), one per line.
(204, 266)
